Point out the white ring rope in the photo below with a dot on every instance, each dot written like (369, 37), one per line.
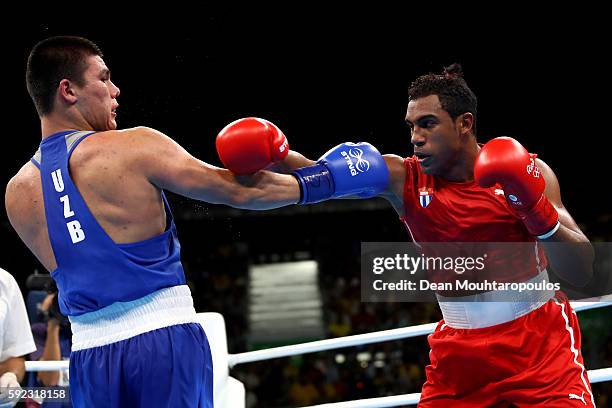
(331, 344)
(393, 401)
(360, 339)
(321, 345)
(46, 365)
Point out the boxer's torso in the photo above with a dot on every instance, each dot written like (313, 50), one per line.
(89, 212)
(125, 204)
(436, 210)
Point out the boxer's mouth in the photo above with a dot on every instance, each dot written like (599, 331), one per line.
(423, 157)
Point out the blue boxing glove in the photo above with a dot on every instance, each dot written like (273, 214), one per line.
(347, 169)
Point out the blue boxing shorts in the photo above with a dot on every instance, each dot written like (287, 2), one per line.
(146, 353)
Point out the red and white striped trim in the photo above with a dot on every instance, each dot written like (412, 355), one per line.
(574, 351)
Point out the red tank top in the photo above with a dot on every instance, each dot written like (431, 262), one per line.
(437, 210)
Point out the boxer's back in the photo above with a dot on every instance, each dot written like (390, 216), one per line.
(111, 181)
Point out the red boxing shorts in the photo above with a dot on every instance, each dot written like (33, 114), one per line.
(533, 361)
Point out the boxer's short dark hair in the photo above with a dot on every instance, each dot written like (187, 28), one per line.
(455, 95)
(54, 59)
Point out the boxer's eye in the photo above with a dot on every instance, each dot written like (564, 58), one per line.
(427, 124)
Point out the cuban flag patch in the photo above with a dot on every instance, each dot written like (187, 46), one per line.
(425, 196)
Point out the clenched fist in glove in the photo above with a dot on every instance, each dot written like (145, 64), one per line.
(505, 161)
(248, 145)
(348, 169)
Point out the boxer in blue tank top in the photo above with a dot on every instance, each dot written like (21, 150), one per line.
(90, 206)
(146, 276)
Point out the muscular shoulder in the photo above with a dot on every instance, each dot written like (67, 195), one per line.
(148, 153)
(545, 169)
(137, 138)
(143, 134)
(26, 180)
(552, 189)
(137, 134)
(23, 193)
(127, 147)
(125, 138)
(151, 149)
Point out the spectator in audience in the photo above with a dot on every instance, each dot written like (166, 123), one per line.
(15, 338)
(53, 340)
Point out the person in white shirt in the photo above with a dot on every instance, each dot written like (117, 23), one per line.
(16, 339)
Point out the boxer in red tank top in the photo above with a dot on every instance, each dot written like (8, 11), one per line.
(455, 190)
(532, 361)
(487, 354)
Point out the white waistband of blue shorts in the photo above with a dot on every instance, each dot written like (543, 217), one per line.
(488, 309)
(122, 320)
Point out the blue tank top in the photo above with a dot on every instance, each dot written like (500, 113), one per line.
(92, 270)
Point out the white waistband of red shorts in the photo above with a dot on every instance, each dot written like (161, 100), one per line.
(122, 320)
(494, 307)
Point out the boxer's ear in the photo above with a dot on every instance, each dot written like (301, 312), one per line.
(66, 92)
(465, 123)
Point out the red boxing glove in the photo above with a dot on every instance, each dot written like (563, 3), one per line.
(248, 145)
(505, 161)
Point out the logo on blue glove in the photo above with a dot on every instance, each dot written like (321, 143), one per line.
(362, 164)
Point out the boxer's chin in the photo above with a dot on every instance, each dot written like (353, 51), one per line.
(427, 167)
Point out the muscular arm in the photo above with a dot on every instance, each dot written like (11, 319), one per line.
(168, 166)
(15, 365)
(294, 160)
(573, 260)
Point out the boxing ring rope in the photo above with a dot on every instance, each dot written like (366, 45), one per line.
(360, 339)
(316, 346)
(46, 365)
(331, 344)
(595, 376)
